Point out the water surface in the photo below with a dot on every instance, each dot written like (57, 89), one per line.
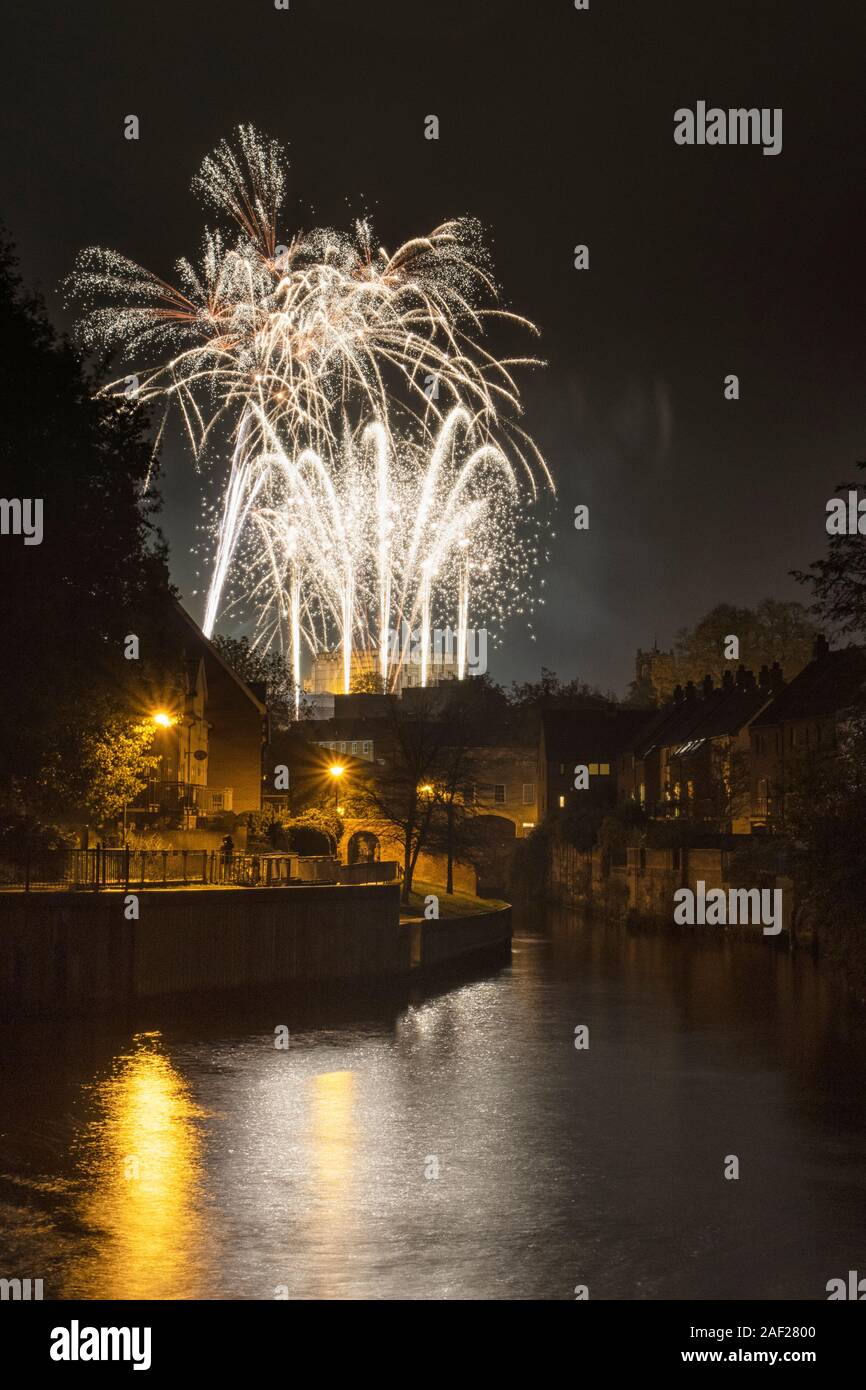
(181, 1154)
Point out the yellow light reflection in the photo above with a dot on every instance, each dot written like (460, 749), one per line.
(333, 1139)
(142, 1160)
(332, 1131)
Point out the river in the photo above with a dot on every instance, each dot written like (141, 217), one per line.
(453, 1142)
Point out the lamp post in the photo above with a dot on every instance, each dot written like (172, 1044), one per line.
(336, 770)
(164, 721)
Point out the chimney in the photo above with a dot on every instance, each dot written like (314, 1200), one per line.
(764, 677)
(678, 694)
(690, 690)
(707, 687)
(821, 648)
(777, 679)
(741, 677)
(749, 680)
(728, 680)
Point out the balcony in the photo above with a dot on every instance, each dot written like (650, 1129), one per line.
(182, 800)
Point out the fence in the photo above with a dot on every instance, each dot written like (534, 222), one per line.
(83, 870)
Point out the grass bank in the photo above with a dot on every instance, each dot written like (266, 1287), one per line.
(450, 904)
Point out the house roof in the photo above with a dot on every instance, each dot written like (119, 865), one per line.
(594, 734)
(214, 653)
(829, 685)
(723, 713)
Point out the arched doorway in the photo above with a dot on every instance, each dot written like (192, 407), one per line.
(304, 839)
(363, 848)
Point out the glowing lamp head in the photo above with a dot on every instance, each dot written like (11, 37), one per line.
(336, 770)
(163, 720)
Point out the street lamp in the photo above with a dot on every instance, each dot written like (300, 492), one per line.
(336, 770)
(163, 721)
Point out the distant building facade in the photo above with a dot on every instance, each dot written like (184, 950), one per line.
(804, 718)
(327, 678)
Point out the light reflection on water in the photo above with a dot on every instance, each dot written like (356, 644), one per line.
(186, 1156)
(141, 1169)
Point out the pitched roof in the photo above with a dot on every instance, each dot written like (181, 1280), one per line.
(721, 714)
(215, 654)
(828, 686)
(671, 724)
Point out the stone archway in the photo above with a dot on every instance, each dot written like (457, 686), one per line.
(362, 848)
(304, 840)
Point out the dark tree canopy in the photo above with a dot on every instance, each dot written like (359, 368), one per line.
(838, 581)
(772, 631)
(99, 574)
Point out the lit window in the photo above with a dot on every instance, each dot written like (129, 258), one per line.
(604, 769)
(593, 769)
(562, 803)
(562, 769)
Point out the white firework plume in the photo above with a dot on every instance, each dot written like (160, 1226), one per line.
(280, 345)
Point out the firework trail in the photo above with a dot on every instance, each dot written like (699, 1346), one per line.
(275, 346)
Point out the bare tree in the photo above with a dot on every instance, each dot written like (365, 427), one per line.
(402, 790)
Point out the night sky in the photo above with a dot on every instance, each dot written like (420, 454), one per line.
(556, 129)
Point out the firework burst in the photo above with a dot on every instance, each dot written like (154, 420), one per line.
(327, 527)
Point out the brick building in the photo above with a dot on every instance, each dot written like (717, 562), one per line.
(693, 759)
(210, 730)
(594, 738)
(804, 718)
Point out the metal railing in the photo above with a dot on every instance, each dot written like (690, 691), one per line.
(179, 798)
(92, 870)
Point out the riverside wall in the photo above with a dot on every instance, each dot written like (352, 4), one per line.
(78, 952)
(641, 890)
(438, 943)
(73, 951)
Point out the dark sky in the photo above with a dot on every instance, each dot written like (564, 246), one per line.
(556, 129)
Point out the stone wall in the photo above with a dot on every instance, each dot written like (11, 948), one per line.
(434, 944)
(77, 950)
(643, 888)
